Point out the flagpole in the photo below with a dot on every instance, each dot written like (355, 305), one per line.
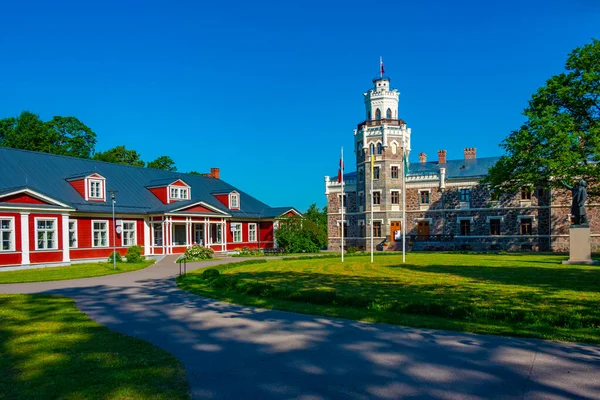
(372, 162)
(404, 162)
(342, 167)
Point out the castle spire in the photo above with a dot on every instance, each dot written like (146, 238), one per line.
(381, 69)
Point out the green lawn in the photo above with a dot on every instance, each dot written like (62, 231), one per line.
(521, 295)
(75, 271)
(51, 350)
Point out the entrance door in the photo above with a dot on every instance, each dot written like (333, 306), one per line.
(395, 231)
(423, 228)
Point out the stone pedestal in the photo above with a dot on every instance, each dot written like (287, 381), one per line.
(579, 246)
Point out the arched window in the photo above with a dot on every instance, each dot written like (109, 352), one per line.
(372, 149)
(379, 148)
(378, 114)
(388, 114)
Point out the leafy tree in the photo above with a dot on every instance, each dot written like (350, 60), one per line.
(120, 155)
(195, 173)
(165, 163)
(72, 137)
(61, 135)
(300, 235)
(318, 217)
(561, 137)
(27, 132)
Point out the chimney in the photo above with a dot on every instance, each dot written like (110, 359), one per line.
(422, 157)
(470, 153)
(215, 173)
(441, 156)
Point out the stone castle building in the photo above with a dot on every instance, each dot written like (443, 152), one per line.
(446, 206)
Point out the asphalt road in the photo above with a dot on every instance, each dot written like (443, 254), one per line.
(237, 352)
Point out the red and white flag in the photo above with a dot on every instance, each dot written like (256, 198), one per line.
(381, 69)
(341, 171)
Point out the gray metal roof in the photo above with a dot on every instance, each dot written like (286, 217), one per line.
(48, 174)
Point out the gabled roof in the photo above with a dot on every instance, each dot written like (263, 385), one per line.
(7, 192)
(163, 182)
(47, 173)
(279, 211)
(82, 175)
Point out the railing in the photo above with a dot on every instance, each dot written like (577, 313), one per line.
(431, 238)
(382, 121)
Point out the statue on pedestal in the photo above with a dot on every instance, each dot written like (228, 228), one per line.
(578, 204)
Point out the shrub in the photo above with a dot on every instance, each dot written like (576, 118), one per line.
(210, 273)
(246, 251)
(113, 255)
(134, 254)
(198, 252)
(351, 250)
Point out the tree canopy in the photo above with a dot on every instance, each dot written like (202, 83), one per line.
(304, 235)
(120, 155)
(165, 163)
(61, 135)
(561, 138)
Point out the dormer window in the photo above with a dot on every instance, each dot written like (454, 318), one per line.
(179, 193)
(95, 189)
(234, 201)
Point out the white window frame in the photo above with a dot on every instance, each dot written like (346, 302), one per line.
(160, 227)
(471, 223)
(124, 233)
(100, 182)
(376, 167)
(398, 171)
(11, 230)
(75, 233)
(54, 231)
(219, 228)
(236, 228)
(236, 196)
(179, 192)
(252, 233)
(428, 197)
(373, 200)
(102, 221)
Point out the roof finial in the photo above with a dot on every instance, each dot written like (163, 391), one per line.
(381, 70)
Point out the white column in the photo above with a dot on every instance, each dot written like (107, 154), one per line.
(146, 236)
(65, 238)
(223, 235)
(188, 231)
(24, 238)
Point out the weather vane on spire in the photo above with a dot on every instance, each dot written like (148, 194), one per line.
(381, 70)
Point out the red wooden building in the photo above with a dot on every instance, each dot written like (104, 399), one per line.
(56, 209)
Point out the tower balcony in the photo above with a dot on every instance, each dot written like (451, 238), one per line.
(382, 121)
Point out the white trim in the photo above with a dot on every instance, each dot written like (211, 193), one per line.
(54, 230)
(200, 203)
(520, 217)
(65, 238)
(147, 236)
(255, 232)
(236, 227)
(465, 218)
(13, 228)
(489, 217)
(135, 241)
(37, 195)
(25, 244)
(107, 233)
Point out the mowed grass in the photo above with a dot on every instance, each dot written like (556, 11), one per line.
(51, 350)
(75, 271)
(517, 295)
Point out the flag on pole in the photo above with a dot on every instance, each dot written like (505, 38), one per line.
(341, 171)
(381, 69)
(372, 166)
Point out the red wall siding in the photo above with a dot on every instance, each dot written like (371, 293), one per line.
(22, 198)
(198, 209)
(266, 234)
(79, 185)
(45, 256)
(223, 198)
(161, 193)
(10, 259)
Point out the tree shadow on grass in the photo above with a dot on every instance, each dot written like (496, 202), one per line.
(234, 351)
(51, 350)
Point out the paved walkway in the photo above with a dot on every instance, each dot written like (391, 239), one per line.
(236, 352)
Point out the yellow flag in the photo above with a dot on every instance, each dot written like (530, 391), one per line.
(372, 166)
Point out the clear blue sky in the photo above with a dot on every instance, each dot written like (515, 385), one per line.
(269, 91)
